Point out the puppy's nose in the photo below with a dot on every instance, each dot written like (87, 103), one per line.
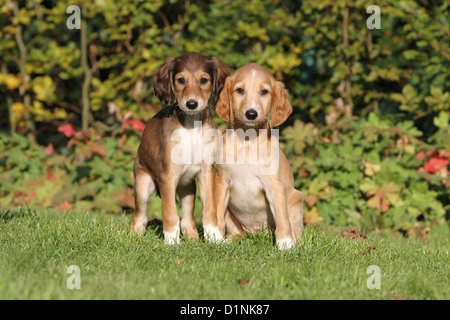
(251, 114)
(191, 104)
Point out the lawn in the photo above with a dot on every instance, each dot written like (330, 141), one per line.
(38, 246)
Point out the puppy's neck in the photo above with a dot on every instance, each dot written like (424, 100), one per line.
(188, 120)
(264, 127)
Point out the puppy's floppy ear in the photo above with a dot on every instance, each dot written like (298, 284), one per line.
(162, 82)
(220, 73)
(281, 107)
(223, 106)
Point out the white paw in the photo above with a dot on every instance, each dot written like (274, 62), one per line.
(212, 234)
(173, 237)
(285, 244)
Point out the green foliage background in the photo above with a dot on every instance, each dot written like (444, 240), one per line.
(369, 139)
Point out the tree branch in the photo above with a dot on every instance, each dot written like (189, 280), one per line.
(85, 105)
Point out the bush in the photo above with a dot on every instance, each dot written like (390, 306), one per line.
(93, 171)
(372, 174)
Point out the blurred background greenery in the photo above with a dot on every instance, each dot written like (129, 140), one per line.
(369, 138)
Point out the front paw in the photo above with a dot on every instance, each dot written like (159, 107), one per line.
(212, 234)
(285, 244)
(173, 237)
(138, 227)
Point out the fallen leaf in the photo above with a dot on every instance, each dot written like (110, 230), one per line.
(353, 234)
(178, 262)
(243, 282)
(370, 248)
(397, 297)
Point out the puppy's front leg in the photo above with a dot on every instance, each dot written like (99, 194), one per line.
(222, 196)
(206, 181)
(276, 195)
(171, 221)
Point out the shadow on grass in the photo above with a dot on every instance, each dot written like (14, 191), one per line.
(156, 226)
(6, 215)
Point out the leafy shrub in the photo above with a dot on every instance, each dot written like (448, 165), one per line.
(93, 171)
(372, 174)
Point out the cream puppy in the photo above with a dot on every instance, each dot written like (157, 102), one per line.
(254, 187)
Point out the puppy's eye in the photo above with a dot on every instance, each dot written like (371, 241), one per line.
(264, 92)
(240, 90)
(203, 80)
(181, 81)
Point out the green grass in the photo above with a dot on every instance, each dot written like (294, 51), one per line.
(37, 247)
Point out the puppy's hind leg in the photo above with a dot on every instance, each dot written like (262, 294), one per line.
(144, 186)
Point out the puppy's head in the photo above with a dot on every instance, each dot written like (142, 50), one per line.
(252, 98)
(190, 80)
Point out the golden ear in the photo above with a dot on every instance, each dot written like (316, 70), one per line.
(281, 107)
(162, 82)
(223, 106)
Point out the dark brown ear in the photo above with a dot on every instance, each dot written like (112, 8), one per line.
(220, 73)
(223, 106)
(281, 107)
(162, 82)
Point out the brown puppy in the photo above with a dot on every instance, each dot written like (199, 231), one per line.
(258, 192)
(167, 159)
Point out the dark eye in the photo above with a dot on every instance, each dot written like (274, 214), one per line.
(240, 90)
(264, 92)
(181, 80)
(203, 80)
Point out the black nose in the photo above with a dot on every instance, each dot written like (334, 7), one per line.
(251, 114)
(191, 104)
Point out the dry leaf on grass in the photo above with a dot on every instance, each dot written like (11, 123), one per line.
(353, 234)
(397, 297)
(243, 282)
(370, 248)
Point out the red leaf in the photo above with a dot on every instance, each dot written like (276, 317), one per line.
(311, 199)
(50, 149)
(444, 155)
(67, 130)
(121, 142)
(404, 142)
(420, 155)
(435, 164)
(384, 205)
(136, 124)
(65, 206)
(99, 149)
(49, 175)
